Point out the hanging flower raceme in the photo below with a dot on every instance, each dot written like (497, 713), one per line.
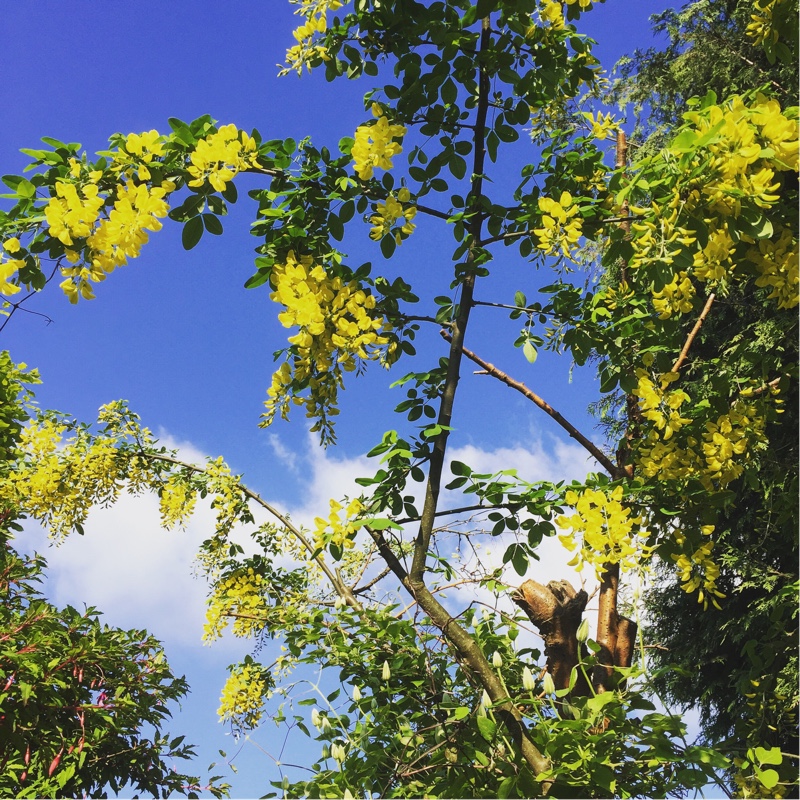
(307, 52)
(375, 145)
(389, 212)
(698, 571)
(723, 206)
(561, 225)
(238, 597)
(221, 156)
(338, 332)
(242, 699)
(339, 530)
(603, 531)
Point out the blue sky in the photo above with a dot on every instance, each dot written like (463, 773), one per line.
(177, 335)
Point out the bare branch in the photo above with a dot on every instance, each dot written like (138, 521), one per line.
(592, 448)
(690, 338)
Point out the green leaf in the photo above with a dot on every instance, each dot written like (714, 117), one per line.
(192, 232)
(520, 301)
(212, 224)
(530, 352)
(768, 777)
(771, 756)
(487, 728)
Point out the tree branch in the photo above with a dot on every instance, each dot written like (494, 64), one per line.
(690, 338)
(592, 448)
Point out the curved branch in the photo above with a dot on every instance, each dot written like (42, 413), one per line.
(340, 587)
(587, 444)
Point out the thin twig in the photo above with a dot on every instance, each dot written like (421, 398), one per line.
(690, 338)
(492, 370)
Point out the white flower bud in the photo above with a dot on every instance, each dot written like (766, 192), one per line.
(356, 694)
(316, 720)
(528, 683)
(497, 660)
(486, 701)
(338, 753)
(548, 685)
(583, 631)
(386, 673)
(348, 795)
(326, 751)
(325, 724)
(339, 603)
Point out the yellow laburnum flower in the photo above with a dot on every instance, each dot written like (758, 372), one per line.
(72, 216)
(337, 331)
(389, 212)
(603, 531)
(7, 271)
(714, 261)
(552, 14)
(337, 530)
(561, 225)
(675, 298)
(698, 572)
(602, 125)
(375, 145)
(221, 156)
(242, 699)
(777, 262)
(11, 245)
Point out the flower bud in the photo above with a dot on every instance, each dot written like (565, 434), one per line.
(316, 720)
(528, 683)
(356, 694)
(497, 660)
(348, 795)
(548, 685)
(583, 631)
(486, 701)
(326, 751)
(386, 673)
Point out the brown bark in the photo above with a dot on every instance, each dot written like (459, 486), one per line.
(556, 610)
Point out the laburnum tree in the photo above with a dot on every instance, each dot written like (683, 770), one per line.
(740, 667)
(435, 698)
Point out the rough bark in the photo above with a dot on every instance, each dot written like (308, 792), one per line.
(556, 610)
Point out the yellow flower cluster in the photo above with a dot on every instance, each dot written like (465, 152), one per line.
(744, 148)
(221, 156)
(305, 52)
(71, 214)
(242, 594)
(337, 332)
(762, 28)
(242, 699)
(714, 457)
(139, 150)
(9, 268)
(561, 225)
(60, 482)
(375, 145)
(660, 406)
(603, 531)
(698, 571)
(337, 530)
(583, 4)
(777, 262)
(730, 435)
(603, 125)
(229, 501)
(75, 213)
(714, 261)
(736, 151)
(176, 502)
(675, 298)
(391, 210)
(552, 14)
